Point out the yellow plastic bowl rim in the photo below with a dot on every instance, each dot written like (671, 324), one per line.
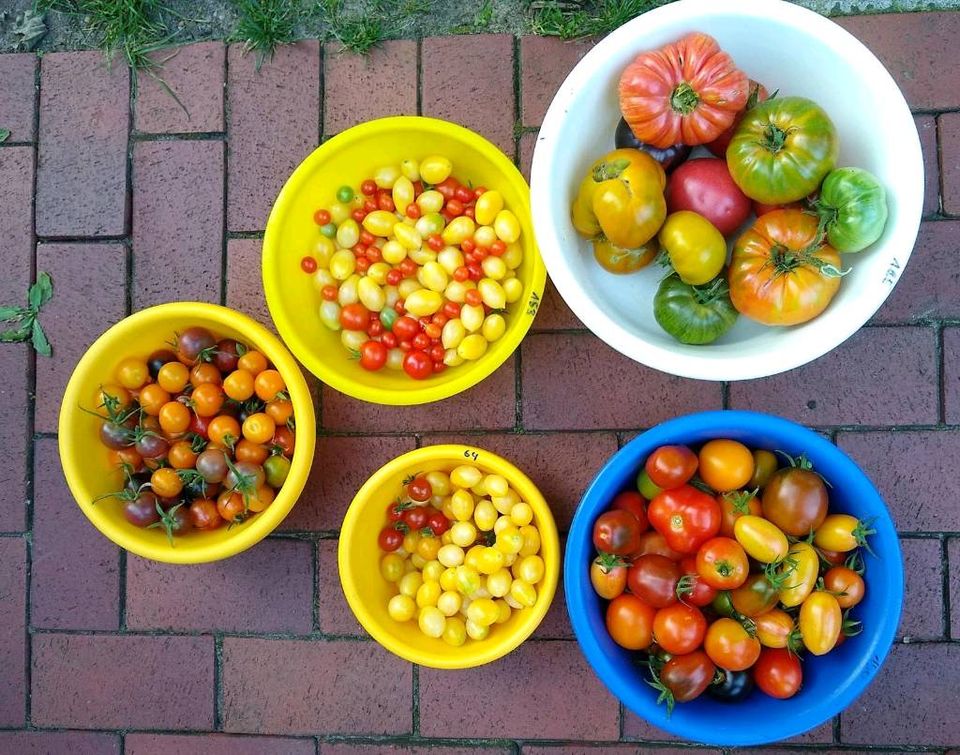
(103, 351)
(464, 376)
(474, 653)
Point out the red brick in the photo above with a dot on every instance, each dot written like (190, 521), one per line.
(490, 405)
(333, 613)
(856, 383)
(214, 744)
(88, 297)
(927, 129)
(483, 103)
(284, 687)
(244, 283)
(930, 285)
(16, 257)
(912, 700)
(18, 96)
(13, 631)
(918, 50)
(544, 64)
(913, 493)
(195, 75)
(561, 465)
(622, 394)
(953, 557)
(56, 742)
(341, 464)
(528, 143)
(82, 170)
(554, 314)
(352, 748)
(949, 128)
(635, 727)
(74, 581)
(951, 374)
(521, 700)
(387, 77)
(122, 681)
(268, 588)
(556, 624)
(177, 221)
(273, 123)
(585, 749)
(923, 602)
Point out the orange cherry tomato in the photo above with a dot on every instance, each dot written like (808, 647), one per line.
(127, 457)
(730, 646)
(285, 440)
(774, 628)
(735, 504)
(204, 372)
(166, 483)
(259, 427)
(207, 399)
(204, 514)
(268, 384)
(230, 506)
(630, 622)
(252, 452)
(253, 362)
(152, 398)
(280, 411)
(224, 430)
(726, 464)
(846, 584)
(173, 377)
(238, 385)
(262, 498)
(174, 418)
(679, 628)
(181, 455)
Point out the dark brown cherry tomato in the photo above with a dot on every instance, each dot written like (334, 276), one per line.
(755, 596)
(688, 676)
(671, 466)
(159, 358)
(654, 579)
(195, 343)
(141, 511)
(636, 504)
(616, 532)
(227, 355)
(795, 499)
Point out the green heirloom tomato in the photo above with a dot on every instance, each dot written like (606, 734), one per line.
(782, 149)
(697, 250)
(694, 314)
(852, 208)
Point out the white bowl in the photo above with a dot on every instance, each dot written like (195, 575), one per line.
(786, 47)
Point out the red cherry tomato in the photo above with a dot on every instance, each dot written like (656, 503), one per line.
(321, 217)
(416, 517)
(308, 265)
(679, 628)
(636, 504)
(654, 579)
(354, 317)
(373, 355)
(369, 187)
(693, 588)
(778, 673)
(438, 523)
(390, 539)
(616, 532)
(405, 328)
(671, 466)
(419, 489)
(417, 364)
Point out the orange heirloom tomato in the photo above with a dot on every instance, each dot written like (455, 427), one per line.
(730, 646)
(774, 628)
(780, 272)
(687, 92)
(630, 622)
(725, 465)
(820, 622)
(608, 575)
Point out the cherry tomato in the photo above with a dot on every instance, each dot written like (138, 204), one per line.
(157, 359)
(778, 673)
(800, 571)
(616, 532)
(238, 385)
(354, 317)
(152, 398)
(722, 563)
(224, 430)
(174, 418)
(204, 372)
(207, 399)
(280, 411)
(251, 452)
(846, 584)
(194, 344)
(732, 687)
(416, 517)
(646, 487)
(730, 646)
(842, 532)
(795, 499)
(671, 466)
(285, 440)
(373, 355)
(654, 579)
(687, 676)
(608, 575)
(405, 328)
(132, 373)
(755, 596)
(204, 515)
(653, 542)
(635, 503)
(419, 489)
(253, 362)
(390, 539)
(321, 217)
(764, 465)
(725, 464)
(762, 540)
(438, 523)
(417, 364)
(258, 428)
(774, 628)
(166, 483)
(685, 516)
(820, 622)
(141, 510)
(231, 506)
(679, 628)
(692, 588)
(268, 384)
(630, 622)
(734, 505)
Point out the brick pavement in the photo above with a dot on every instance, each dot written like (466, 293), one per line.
(105, 653)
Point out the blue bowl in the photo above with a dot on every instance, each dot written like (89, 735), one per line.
(830, 682)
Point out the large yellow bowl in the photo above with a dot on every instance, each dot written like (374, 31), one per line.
(85, 460)
(367, 592)
(291, 233)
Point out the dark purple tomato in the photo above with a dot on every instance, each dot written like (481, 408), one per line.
(152, 447)
(669, 157)
(142, 510)
(212, 465)
(245, 475)
(192, 342)
(115, 436)
(136, 481)
(179, 520)
(159, 358)
(226, 356)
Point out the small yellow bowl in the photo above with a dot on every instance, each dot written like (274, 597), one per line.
(85, 460)
(348, 159)
(368, 593)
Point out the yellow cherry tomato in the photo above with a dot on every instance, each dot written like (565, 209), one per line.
(774, 628)
(820, 622)
(465, 476)
(488, 205)
(449, 603)
(401, 608)
(490, 560)
(725, 465)
(531, 569)
(531, 540)
(800, 570)
(391, 567)
(498, 583)
(432, 621)
(761, 539)
(485, 515)
(435, 169)
(450, 555)
(428, 594)
(483, 611)
(523, 592)
(841, 533)
(455, 631)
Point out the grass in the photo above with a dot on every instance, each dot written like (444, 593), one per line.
(570, 19)
(358, 31)
(263, 25)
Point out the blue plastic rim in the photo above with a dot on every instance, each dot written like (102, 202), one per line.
(830, 682)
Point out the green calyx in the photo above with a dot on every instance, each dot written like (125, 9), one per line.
(684, 99)
(607, 171)
(774, 138)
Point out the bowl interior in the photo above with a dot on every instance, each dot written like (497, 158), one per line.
(348, 159)
(368, 593)
(767, 39)
(830, 682)
(86, 461)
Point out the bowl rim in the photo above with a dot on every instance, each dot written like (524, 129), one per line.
(312, 359)
(259, 526)
(487, 651)
(577, 548)
(688, 362)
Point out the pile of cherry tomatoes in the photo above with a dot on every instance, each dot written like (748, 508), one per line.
(463, 552)
(721, 561)
(203, 432)
(416, 270)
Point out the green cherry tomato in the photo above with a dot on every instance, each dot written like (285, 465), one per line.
(696, 248)
(782, 150)
(275, 470)
(646, 486)
(388, 316)
(694, 314)
(853, 208)
(344, 194)
(329, 230)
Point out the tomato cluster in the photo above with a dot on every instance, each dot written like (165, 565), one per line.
(774, 157)
(416, 269)
(722, 560)
(463, 551)
(203, 433)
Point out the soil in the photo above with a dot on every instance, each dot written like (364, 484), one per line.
(192, 20)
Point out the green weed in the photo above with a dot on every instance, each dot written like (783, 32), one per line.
(571, 19)
(265, 24)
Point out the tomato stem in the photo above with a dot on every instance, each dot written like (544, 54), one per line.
(608, 171)
(774, 138)
(684, 99)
